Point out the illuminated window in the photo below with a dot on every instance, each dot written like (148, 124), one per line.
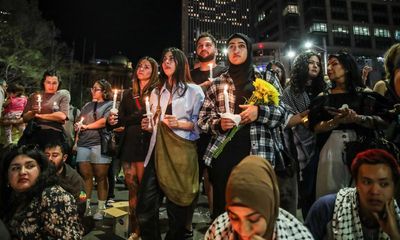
(261, 16)
(340, 29)
(397, 35)
(318, 27)
(360, 30)
(379, 32)
(290, 9)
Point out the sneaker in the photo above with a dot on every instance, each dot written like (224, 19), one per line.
(188, 234)
(88, 211)
(99, 215)
(110, 202)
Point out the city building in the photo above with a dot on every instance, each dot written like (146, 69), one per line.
(366, 28)
(221, 18)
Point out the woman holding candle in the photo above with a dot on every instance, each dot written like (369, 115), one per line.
(89, 157)
(257, 135)
(45, 123)
(134, 141)
(178, 101)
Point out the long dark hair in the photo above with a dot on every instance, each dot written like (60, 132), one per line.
(182, 71)
(282, 79)
(153, 78)
(10, 201)
(392, 62)
(353, 80)
(300, 74)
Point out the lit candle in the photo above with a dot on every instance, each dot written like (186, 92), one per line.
(114, 106)
(80, 124)
(148, 112)
(39, 102)
(210, 65)
(147, 106)
(226, 98)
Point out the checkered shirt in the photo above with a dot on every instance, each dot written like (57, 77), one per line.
(346, 223)
(286, 227)
(264, 135)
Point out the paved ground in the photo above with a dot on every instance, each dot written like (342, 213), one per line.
(104, 229)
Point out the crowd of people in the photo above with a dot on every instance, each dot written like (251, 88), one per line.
(326, 146)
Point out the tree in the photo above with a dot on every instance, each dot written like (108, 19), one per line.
(29, 45)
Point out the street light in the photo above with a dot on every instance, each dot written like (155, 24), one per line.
(290, 54)
(310, 44)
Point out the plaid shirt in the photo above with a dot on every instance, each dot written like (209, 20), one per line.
(263, 132)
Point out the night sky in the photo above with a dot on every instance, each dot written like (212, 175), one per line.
(134, 28)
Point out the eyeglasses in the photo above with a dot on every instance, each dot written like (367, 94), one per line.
(93, 89)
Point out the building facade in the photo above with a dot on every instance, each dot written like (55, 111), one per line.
(221, 18)
(366, 28)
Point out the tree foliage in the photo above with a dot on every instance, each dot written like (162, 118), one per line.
(29, 45)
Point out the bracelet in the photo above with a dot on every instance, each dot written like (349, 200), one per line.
(331, 124)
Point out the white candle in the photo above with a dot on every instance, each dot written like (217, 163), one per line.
(39, 102)
(115, 99)
(226, 99)
(210, 65)
(147, 106)
(80, 124)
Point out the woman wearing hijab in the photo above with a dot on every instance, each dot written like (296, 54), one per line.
(259, 123)
(253, 212)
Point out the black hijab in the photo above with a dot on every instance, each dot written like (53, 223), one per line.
(242, 74)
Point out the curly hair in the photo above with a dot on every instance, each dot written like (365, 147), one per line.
(10, 201)
(392, 62)
(51, 73)
(300, 74)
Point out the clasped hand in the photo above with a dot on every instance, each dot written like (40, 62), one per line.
(248, 115)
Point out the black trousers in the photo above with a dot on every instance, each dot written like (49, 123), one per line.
(149, 200)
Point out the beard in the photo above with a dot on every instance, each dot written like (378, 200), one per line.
(206, 59)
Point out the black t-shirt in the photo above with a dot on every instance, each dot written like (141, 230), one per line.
(199, 77)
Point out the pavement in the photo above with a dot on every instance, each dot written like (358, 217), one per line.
(105, 228)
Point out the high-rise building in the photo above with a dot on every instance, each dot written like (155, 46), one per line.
(221, 18)
(364, 27)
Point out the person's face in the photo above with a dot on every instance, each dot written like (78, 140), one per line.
(23, 173)
(144, 70)
(375, 186)
(56, 156)
(97, 92)
(205, 49)
(50, 84)
(247, 222)
(237, 51)
(277, 70)
(314, 66)
(169, 64)
(336, 71)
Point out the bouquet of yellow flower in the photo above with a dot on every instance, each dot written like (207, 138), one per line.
(263, 94)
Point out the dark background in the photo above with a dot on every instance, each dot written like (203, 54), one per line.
(133, 28)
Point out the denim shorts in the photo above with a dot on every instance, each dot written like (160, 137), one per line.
(92, 154)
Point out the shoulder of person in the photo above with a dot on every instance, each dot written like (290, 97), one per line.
(63, 92)
(194, 87)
